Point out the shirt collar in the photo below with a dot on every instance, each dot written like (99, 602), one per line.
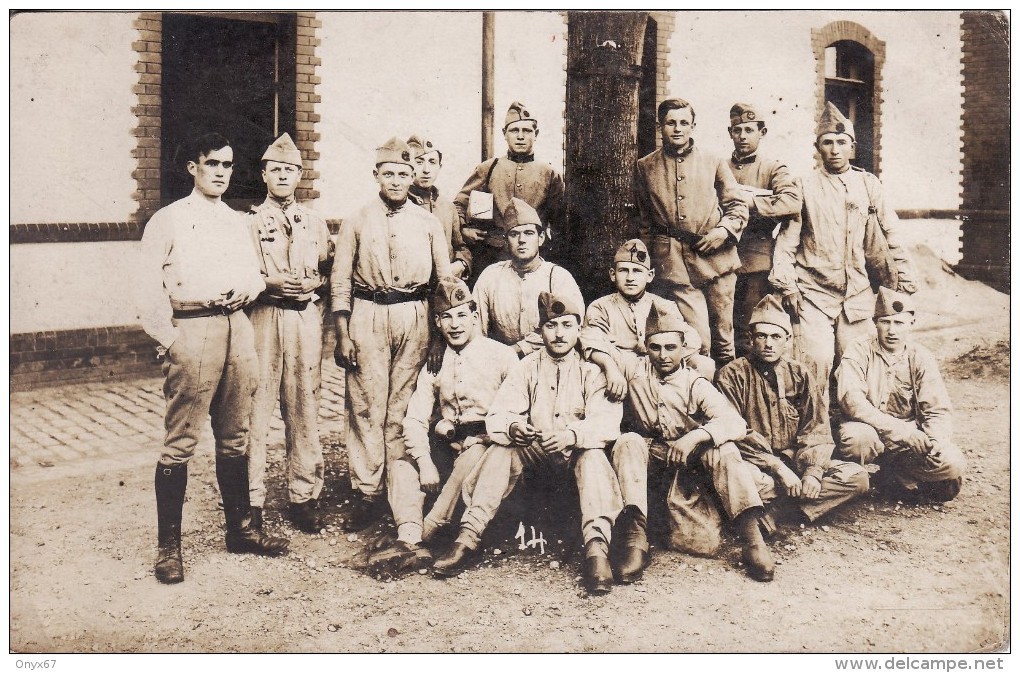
(740, 161)
(520, 158)
(420, 196)
(679, 154)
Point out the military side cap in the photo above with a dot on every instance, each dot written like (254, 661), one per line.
(519, 213)
(742, 113)
(657, 323)
(450, 293)
(891, 302)
(394, 151)
(552, 306)
(833, 121)
(634, 251)
(771, 311)
(283, 150)
(421, 146)
(517, 113)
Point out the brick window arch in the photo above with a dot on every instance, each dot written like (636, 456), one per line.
(848, 69)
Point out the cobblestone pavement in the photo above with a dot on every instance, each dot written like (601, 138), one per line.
(76, 424)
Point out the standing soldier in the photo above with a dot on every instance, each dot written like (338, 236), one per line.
(772, 197)
(687, 427)
(507, 292)
(428, 161)
(790, 438)
(897, 409)
(473, 367)
(517, 175)
(387, 252)
(200, 269)
(691, 217)
(294, 246)
(821, 260)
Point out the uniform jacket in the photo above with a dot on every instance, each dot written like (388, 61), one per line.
(821, 252)
(894, 394)
(683, 197)
(785, 415)
(289, 239)
(757, 243)
(379, 249)
(448, 216)
(556, 394)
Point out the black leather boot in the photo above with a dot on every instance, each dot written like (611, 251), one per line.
(171, 485)
(256, 519)
(305, 516)
(597, 572)
(630, 545)
(242, 538)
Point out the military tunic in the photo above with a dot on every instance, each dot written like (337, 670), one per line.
(379, 249)
(789, 427)
(508, 301)
(884, 397)
(680, 197)
(448, 216)
(291, 240)
(194, 251)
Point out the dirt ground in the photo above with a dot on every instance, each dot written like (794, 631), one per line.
(878, 576)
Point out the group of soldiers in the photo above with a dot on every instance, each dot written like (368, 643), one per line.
(473, 363)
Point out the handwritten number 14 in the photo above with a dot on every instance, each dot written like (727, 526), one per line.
(538, 540)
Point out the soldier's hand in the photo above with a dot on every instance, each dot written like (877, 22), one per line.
(711, 241)
(810, 488)
(521, 433)
(791, 302)
(284, 285)
(681, 449)
(473, 234)
(918, 442)
(234, 300)
(428, 475)
(346, 354)
(555, 442)
(310, 285)
(790, 481)
(434, 360)
(616, 383)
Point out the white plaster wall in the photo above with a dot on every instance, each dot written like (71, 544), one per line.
(71, 76)
(766, 58)
(59, 286)
(386, 74)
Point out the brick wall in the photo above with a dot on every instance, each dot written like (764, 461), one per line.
(986, 147)
(665, 23)
(848, 30)
(96, 354)
(148, 112)
(307, 98)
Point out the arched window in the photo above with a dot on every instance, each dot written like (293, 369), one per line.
(849, 63)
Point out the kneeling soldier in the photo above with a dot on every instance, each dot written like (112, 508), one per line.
(897, 408)
(687, 425)
(473, 367)
(790, 437)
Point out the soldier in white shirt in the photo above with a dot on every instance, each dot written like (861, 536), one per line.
(199, 270)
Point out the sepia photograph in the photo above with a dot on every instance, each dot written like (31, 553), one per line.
(511, 332)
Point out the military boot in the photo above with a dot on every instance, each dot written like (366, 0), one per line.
(171, 485)
(630, 545)
(242, 538)
(256, 519)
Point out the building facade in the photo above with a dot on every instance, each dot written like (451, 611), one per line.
(101, 102)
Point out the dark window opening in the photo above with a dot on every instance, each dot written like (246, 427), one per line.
(850, 86)
(648, 131)
(232, 76)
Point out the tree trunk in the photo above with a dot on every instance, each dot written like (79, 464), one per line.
(603, 72)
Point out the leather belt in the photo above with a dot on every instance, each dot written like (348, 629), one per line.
(197, 309)
(284, 303)
(392, 295)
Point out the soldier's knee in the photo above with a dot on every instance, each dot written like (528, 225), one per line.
(859, 442)
(629, 443)
(859, 481)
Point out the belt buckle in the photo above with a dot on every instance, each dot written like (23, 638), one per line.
(379, 296)
(223, 310)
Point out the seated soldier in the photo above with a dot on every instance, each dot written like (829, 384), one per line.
(897, 409)
(790, 437)
(553, 415)
(689, 428)
(614, 325)
(472, 369)
(507, 292)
